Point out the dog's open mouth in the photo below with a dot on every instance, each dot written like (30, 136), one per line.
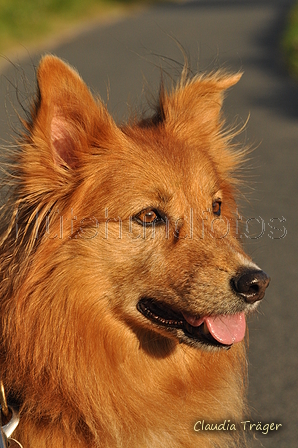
(217, 331)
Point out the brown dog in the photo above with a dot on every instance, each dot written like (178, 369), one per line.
(124, 288)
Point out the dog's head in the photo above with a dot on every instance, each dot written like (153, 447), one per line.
(139, 220)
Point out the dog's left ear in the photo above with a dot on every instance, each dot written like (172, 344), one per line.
(195, 104)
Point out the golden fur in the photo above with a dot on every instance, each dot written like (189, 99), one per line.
(88, 369)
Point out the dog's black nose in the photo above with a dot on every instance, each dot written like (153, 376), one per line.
(250, 284)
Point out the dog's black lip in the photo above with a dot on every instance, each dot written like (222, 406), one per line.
(164, 316)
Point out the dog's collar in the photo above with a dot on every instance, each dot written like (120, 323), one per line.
(9, 415)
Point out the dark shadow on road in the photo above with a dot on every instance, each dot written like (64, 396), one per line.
(285, 99)
(226, 3)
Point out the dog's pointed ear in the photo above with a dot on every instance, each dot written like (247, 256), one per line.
(195, 104)
(66, 115)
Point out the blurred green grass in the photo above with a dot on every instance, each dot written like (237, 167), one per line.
(290, 42)
(25, 22)
(29, 21)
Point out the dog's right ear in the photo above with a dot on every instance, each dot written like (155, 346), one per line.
(67, 122)
(67, 131)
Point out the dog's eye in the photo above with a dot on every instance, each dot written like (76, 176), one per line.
(148, 217)
(216, 207)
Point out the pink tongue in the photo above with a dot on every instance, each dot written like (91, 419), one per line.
(225, 329)
(192, 320)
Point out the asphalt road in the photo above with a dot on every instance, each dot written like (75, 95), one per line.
(124, 57)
